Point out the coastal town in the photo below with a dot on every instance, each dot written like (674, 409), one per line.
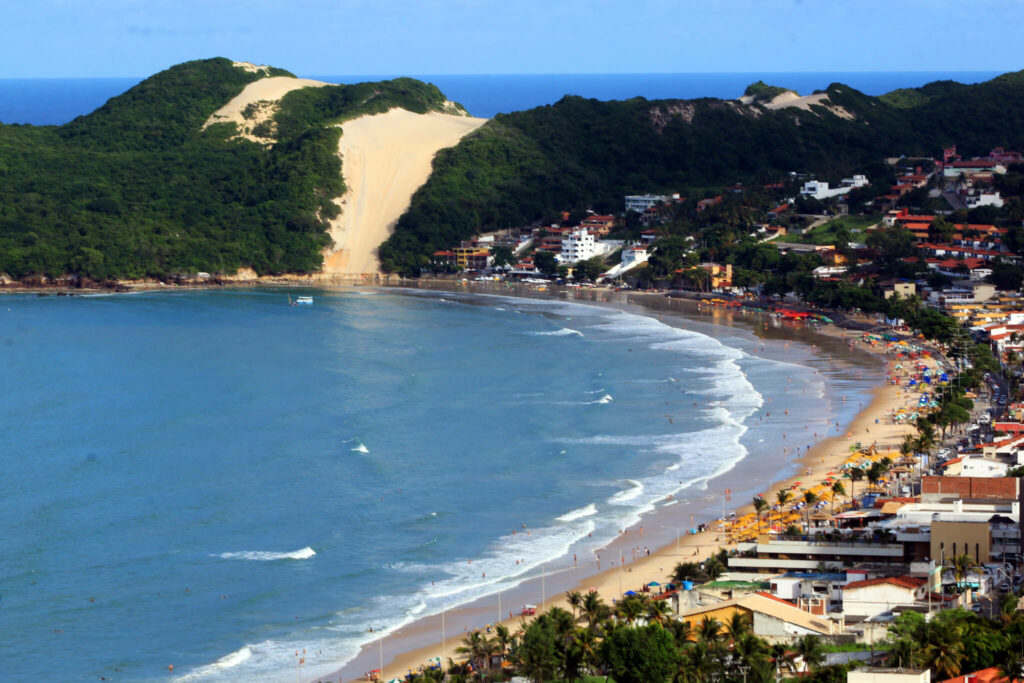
(896, 555)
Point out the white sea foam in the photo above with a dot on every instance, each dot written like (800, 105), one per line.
(361, 448)
(607, 398)
(578, 513)
(220, 667)
(626, 495)
(266, 556)
(564, 332)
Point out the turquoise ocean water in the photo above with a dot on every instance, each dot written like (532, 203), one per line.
(218, 481)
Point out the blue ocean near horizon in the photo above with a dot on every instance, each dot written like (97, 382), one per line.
(222, 482)
(55, 101)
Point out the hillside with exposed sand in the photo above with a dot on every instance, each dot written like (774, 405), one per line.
(385, 159)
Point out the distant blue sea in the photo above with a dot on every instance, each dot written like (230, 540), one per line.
(218, 481)
(57, 101)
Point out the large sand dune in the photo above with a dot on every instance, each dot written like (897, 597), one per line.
(385, 159)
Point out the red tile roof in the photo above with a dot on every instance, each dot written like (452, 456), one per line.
(989, 675)
(909, 582)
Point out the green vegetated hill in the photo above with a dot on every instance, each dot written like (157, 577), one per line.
(139, 189)
(581, 153)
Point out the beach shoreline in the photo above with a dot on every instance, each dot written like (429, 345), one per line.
(411, 645)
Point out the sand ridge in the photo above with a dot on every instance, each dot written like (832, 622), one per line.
(260, 98)
(385, 159)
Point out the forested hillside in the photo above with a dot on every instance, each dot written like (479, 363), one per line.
(581, 153)
(139, 189)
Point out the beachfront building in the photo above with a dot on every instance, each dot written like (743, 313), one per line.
(578, 245)
(987, 531)
(472, 258)
(781, 555)
(771, 618)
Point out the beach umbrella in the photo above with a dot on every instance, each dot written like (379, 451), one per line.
(653, 583)
(630, 593)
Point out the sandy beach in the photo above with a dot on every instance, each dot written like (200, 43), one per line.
(411, 646)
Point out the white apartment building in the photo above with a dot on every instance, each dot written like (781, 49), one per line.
(578, 245)
(641, 202)
(820, 190)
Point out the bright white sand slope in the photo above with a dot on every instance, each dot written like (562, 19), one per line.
(385, 159)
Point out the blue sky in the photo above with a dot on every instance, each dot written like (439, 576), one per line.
(44, 38)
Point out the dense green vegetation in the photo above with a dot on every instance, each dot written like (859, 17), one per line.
(581, 153)
(762, 92)
(138, 188)
(636, 640)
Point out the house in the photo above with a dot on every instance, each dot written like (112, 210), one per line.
(705, 204)
(878, 675)
(771, 618)
(1005, 157)
(871, 597)
(902, 290)
(721, 276)
(989, 675)
(598, 224)
(443, 258)
(973, 167)
(814, 592)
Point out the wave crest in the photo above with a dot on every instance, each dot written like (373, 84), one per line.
(266, 556)
(564, 332)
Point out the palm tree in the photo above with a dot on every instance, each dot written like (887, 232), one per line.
(575, 600)
(594, 609)
(502, 638)
(737, 626)
(680, 630)
(874, 474)
(686, 571)
(698, 663)
(856, 474)
(586, 642)
(810, 498)
(837, 490)
(943, 652)
(708, 629)
(658, 611)
(760, 505)
(962, 566)
(810, 650)
(783, 496)
(631, 608)
(479, 648)
(714, 568)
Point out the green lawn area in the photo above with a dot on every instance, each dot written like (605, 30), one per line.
(853, 225)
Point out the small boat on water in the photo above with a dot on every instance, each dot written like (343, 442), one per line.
(299, 300)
